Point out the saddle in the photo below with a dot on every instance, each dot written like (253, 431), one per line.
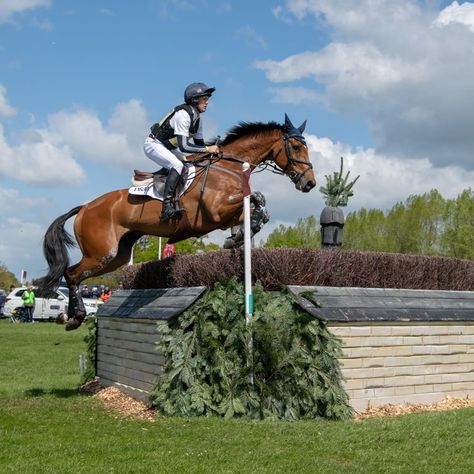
(142, 178)
(143, 181)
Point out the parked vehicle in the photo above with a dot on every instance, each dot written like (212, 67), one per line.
(47, 308)
(3, 297)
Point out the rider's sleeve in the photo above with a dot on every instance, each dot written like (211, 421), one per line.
(186, 146)
(181, 123)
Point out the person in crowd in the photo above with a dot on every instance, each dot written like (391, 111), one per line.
(106, 294)
(178, 133)
(168, 251)
(85, 292)
(29, 298)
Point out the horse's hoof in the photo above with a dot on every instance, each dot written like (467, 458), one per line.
(73, 324)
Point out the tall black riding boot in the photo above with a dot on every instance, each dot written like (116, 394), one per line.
(170, 211)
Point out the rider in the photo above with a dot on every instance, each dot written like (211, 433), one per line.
(179, 132)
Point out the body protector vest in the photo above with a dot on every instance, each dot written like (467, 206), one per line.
(163, 131)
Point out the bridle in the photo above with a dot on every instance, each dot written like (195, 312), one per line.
(291, 161)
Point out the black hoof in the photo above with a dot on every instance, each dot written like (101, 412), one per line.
(73, 324)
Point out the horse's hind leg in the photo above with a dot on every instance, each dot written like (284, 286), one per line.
(105, 259)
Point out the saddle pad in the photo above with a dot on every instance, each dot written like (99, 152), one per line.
(149, 189)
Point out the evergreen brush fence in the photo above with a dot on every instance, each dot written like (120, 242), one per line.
(200, 361)
(276, 268)
(294, 363)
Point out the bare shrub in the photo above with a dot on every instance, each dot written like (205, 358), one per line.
(275, 268)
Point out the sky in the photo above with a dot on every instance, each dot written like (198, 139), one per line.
(387, 84)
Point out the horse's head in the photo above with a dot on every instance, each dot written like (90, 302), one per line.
(293, 158)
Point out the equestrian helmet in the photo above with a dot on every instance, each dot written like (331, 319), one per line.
(196, 90)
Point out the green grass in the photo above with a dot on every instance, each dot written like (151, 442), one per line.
(46, 426)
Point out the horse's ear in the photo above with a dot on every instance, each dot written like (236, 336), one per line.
(302, 127)
(288, 124)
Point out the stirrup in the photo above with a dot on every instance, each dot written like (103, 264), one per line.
(169, 211)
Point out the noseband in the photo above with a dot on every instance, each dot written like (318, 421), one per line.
(293, 175)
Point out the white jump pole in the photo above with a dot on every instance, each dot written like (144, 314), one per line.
(248, 260)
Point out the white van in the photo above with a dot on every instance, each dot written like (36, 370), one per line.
(47, 308)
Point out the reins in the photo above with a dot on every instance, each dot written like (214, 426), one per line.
(211, 161)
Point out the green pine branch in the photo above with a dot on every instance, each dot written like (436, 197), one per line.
(337, 190)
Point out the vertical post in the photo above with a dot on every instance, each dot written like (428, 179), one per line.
(131, 256)
(159, 248)
(248, 260)
(247, 255)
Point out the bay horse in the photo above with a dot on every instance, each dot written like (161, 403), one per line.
(107, 227)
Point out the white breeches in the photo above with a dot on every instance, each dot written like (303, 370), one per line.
(158, 153)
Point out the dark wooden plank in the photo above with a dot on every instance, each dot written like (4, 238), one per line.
(134, 378)
(386, 304)
(150, 303)
(132, 325)
(152, 369)
(128, 336)
(120, 378)
(150, 358)
(147, 348)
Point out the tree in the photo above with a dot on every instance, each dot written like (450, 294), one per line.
(304, 234)
(458, 237)
(146, 249)
(7, 278)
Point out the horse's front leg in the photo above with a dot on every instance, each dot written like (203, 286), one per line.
(258, 217)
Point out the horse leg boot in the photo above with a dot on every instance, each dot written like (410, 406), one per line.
(170, 211)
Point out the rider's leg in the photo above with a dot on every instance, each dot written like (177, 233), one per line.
(169, 210)
(157, 152)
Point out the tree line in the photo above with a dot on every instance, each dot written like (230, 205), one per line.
(426, 224)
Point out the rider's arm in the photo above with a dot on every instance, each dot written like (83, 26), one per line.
(181, 123)
(187, 146)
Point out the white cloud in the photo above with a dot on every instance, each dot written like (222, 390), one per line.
(38, 161)
(415, 83)
(384, 181)
(6, 110)
(8, 8)
(20, 231)
(118, 142)
(47, 155)
(455, 13)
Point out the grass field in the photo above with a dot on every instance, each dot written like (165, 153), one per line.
(46, 426)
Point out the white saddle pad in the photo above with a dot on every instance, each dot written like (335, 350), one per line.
(149, 190)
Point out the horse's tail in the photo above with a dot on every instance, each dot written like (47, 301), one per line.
(55, 248)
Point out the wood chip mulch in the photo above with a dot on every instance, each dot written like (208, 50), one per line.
(449, 403)
(120, 403)
(126, 406)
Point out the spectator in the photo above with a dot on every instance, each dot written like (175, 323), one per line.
(28, 298)
(85, 292)
(168, 251)
(106, 294)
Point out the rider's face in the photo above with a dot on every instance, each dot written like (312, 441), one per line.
(202, 103)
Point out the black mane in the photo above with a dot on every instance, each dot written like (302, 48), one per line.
(244, 129)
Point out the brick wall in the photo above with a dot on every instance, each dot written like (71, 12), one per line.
(406, 363)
